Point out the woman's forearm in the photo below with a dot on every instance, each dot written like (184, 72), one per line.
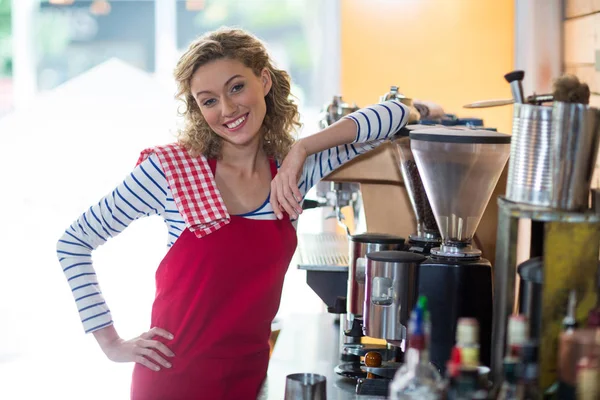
(376, 122)
(106, 336)
(340, 133)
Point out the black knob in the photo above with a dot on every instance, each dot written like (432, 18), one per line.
(339, 306)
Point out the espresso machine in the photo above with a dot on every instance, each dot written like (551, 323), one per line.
(338, 195)
(391, 289)
(359, 187)
(459, 169)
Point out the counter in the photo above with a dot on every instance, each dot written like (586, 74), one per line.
(309, 343)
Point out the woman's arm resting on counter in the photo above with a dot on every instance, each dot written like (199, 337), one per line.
(316, 156)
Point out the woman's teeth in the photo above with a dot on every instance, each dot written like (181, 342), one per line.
(236, 123)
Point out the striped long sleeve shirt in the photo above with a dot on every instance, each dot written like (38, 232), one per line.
(145, 192)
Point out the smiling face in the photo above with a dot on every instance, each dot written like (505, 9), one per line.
(231, 99)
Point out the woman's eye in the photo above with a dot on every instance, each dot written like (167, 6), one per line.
(237, 87)
(208, 103)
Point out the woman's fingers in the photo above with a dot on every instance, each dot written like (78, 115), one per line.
(145, 354)
(284, 195)
(146, 363)
(155, 344)
(153, 355)
(297, 195)
(291, 200)
(157, 332)
(274, 199)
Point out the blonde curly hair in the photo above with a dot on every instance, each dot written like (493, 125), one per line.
(281, 117)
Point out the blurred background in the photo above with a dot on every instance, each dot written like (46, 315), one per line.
(86, 85)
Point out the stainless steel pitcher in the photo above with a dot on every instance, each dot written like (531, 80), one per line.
(305, 386)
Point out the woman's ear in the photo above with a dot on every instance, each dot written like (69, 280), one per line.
(265, 77)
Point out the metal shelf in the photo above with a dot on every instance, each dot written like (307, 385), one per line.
(569, 244)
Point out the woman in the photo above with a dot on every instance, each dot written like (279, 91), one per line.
(229, 191)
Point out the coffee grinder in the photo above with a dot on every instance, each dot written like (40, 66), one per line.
(427, 235)
(391, 285)
(352, 347)
(459, 168)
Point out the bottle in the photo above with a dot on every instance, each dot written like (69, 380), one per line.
(594, 319)
(452, 372)
(481, 394)
(466, 384)
(467, 340)
(508, 389)
(422, 304)
(466, 381)
(587, 379)
(417, 378)
(518, 334)
(569, 322)
(527, 372)
(569, 352)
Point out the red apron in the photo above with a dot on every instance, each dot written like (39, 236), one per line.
(218, 296)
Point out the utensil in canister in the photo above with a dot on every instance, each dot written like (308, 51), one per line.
(305, 386)
(489, 103)
(515, 79)
(535, 99)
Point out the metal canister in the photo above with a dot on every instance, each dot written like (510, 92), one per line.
(361, 245)
(391, 289)
(529, 167)
(575, 130)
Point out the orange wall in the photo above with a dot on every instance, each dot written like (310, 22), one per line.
(452, 52)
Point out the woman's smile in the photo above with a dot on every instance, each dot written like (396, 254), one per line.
(236, 124)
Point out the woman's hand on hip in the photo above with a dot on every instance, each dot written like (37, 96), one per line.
(143, 349)
(285, 195)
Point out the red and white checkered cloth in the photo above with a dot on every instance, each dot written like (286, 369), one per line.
(193, 186)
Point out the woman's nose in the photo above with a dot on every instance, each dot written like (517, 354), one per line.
(229, 108)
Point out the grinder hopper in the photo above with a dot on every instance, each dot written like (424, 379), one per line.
(459, 168)
(427, 230)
